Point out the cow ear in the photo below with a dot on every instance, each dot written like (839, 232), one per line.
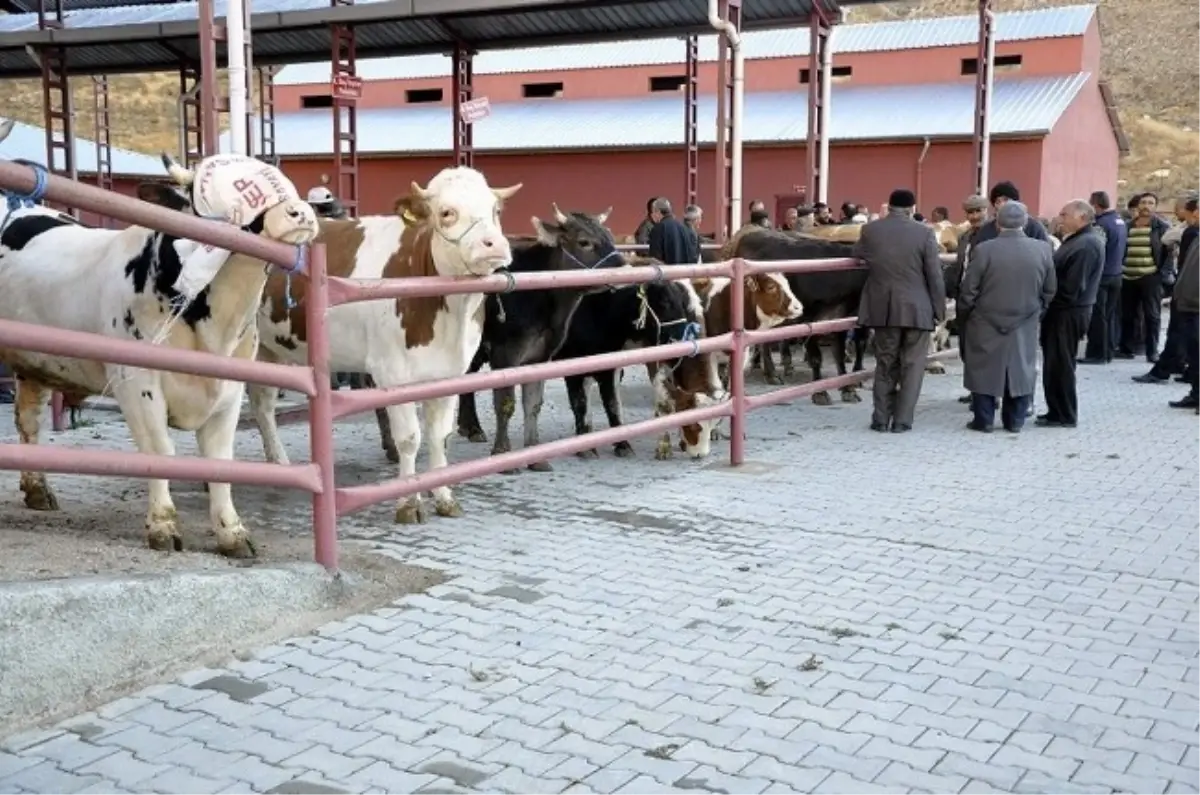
(413, 207)
(162, 195)
(751, 284)
(701, 285)
(547, 233)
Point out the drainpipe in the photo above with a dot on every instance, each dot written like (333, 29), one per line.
(730, 31)
(826, 91)
(236, 53)
(921, 168)
(990, 81)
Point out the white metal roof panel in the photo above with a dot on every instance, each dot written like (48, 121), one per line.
(786, 43)
(857, 113)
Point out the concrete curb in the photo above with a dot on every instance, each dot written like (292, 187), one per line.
(63, 642)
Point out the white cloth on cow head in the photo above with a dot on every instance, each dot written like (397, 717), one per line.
(235, 189)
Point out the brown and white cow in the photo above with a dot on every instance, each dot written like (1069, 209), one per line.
(449, 228)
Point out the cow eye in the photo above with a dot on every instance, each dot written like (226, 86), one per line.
(586, 245)
(448, 214)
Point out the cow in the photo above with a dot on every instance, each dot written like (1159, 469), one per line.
(123, 284)
(530, 326)
(451, 227)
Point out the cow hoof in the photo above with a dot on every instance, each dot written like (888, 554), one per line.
(774, 379)
(501, 449)
(392, 456)
(850, 396)
(40, 498)
(585, 454)
(822, 399)
(240, 547)
(541, 466)
(473, 434)
(164, 540)
(936, 368)
(663, 452)
(623, 450)
(411, 513)
(788, 370)
(448, 508)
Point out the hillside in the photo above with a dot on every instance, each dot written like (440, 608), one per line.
(1149, 58)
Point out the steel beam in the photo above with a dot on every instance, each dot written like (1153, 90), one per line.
(209, 106)
(818, 70)
(730, 11)
(463, 89)
(191, 132)
(103, 133)
(266, 115)
(691, 138)
(345, 88)
(984, 60)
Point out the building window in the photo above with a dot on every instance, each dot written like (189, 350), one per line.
(668, 83)
(837, 74)
(421, 96)
(1004, 63)
(541, 90)
(316, 101)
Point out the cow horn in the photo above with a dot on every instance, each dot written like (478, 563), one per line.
(602, 217)
(177, 172)
(420, 192)
(558, 214)
(506, 193)
(6, 127)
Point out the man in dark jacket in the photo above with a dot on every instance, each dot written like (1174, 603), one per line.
(1187, 304)
(976, 208)
(1000, 193)
(1141, 287)
(641, 235)
(326, 205)
(1174, 353)
(1078, 265)
(670, 242)
(1104, 327)
(903, 299)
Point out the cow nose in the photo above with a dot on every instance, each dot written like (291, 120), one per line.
(488, 242)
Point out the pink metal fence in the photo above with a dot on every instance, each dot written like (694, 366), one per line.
(326, 406)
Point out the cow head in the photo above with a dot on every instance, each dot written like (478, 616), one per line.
(772, 299)
(289, 221)
(581, 239)
(463, 213)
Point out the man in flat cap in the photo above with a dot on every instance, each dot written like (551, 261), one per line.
(976, 209)
(903, 299)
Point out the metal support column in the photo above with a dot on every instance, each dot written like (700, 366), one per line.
(691, 140)
(463, 89)
(346, 89)
(57, 104)
(266, 115)
(248, 49)
(818, 71)
(731, 11)
(191, 133)
(103, 133)
(209, 124)
(985, 62)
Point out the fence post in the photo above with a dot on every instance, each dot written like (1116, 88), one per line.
(320, 411)
(737, 362)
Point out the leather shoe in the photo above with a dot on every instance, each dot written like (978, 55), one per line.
(901, 428)
(975, 426)
(1150, 378)
(1187, 402)
(1090, 361)
(965, 399)
(879, 427)
(1123, 355)
(1045, 422)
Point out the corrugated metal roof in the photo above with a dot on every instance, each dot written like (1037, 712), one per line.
(786, 43)
(27, 142)
(857, 113)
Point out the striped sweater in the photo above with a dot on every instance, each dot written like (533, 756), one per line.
(1139, 254)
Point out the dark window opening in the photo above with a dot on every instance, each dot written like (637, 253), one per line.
(836, 74)
(541, 90)
(1003, 63)
(418, 96)
(668, 83)
(316, 101)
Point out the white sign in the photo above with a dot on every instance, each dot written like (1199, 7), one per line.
(473, 110)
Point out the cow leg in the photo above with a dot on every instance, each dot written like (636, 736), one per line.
(504, 400)
(841, 352)
(29, 403)
(468, 416)
(936, 340)
(439, 424)
(406, 432)
(140, 397)
(263, 400)
(812, 348)
(785, 358)
(663, 405)
(769, 373)
(577, 396)
(533, 395)
(215, 438)
(610, 397)
(755, 358)
(365, 381)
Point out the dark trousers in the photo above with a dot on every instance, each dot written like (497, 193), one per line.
(1144, 294)
(1174, 353)
(1189, 329)
(1012, 410)
(1062, 329)
(1105, 327)
(900, 355)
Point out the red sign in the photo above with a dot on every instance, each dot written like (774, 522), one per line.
(473, 110)
(347, 86)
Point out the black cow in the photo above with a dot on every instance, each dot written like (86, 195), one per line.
(826, 295)
(529, 327)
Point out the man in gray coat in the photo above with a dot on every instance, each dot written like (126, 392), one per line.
(1008, 286)
(903, 299)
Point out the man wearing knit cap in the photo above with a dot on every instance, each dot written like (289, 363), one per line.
(903, 299)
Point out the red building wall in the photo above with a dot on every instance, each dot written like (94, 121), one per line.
(590, 181)
(1081, 153)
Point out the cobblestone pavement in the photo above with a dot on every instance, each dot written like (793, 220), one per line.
(854, 612)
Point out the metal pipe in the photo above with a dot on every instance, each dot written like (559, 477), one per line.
(320, 412)
(733, 36)
(780, 333)
(356, 498)
(921, 169)
(235, 52)
(987, 103)
(826, 93)
(737, 364)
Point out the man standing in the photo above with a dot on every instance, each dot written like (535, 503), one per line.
(976, 208)
(325, 204)
(693, 216)
(642, 235)
(1104, 327)
(823, 216)
(791, 220)
(1141, 286)
(1007, 288)
(1078, 265)
(1000, 193)
(1174, 354)
(903, 299)
(1187, 305)
(670, 242)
